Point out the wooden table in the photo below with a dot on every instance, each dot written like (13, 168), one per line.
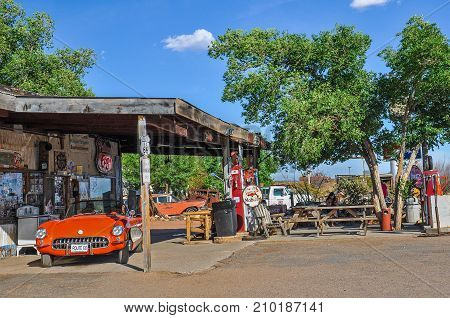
(322, 216)
(205, 219)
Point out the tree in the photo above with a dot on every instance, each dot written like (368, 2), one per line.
(27, 60)
(416, 92)
(323, 106)
(267, 166)
(178, 173)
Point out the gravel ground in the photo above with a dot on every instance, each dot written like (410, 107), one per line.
(344, 267)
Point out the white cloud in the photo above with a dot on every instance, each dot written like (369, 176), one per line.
(197, 41)
(359, 4)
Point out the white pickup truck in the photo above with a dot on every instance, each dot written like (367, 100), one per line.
(278, 195)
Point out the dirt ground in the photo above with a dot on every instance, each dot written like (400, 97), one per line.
(343, 267)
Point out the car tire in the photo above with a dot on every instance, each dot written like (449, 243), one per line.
(139, 248)
(124, 254)
(191, 209)
(47, 260)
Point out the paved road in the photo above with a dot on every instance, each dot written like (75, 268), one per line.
(343, 267)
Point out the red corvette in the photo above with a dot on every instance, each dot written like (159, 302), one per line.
(92, 228)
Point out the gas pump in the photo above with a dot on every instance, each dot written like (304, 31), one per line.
(239, 180)
(433, 189)
(236, 184)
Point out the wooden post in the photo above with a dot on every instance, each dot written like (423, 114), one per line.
(144, 149)
(226, 165)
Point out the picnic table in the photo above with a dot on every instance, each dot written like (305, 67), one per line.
(324, 216)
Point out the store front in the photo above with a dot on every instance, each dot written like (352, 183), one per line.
(55, 151)
(41, 176)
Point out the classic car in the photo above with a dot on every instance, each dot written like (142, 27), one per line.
(93, 227)
(167, 204)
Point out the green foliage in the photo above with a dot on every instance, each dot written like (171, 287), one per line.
(406, 188)
(268, 165)
(416, 90)
(355, 190)
(131, 171)
(313, 91)
(27, 60)
(179, 173)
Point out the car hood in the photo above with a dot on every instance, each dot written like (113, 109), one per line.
(84, 225)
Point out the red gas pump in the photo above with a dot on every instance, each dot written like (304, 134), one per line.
(236, 183)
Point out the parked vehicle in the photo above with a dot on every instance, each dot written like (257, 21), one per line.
(279, 195)
(167, 204)
(93, 227)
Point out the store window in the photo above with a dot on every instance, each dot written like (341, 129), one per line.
(11, 193)
(100, 188)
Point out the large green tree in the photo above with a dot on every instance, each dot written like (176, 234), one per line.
(416, 92)
(268, 164)
(177, 173)
(314, 92)
(28, 60)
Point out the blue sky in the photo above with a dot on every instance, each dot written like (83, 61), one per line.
(130, 36)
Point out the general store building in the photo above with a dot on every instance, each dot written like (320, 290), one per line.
(57, 150)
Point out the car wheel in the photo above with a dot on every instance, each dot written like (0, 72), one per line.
(124, 254)
(46, 260)
(191, 209)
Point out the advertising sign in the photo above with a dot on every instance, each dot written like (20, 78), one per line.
(252, 196)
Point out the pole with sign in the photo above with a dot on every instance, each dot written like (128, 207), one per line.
(144, 149)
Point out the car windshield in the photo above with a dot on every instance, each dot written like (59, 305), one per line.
(278, 192)
(96, 206)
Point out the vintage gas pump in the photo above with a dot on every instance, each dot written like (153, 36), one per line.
(239, 180)
(236, 184)
(433, 189)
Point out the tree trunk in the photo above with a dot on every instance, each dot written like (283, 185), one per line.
(372, 163)
(399, 200)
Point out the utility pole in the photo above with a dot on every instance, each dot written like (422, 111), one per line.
(144, 150)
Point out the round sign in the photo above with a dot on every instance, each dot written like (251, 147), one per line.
(416, 175)
(252, 196)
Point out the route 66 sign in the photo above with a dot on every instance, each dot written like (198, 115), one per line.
(145, 145)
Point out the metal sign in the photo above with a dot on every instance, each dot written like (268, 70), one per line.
(145, 145)
(145, 162)
(252, 196)
(416, 175)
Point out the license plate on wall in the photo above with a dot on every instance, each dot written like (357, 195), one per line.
(79, 248)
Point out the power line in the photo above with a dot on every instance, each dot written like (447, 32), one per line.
(435, 10)
(105, 70)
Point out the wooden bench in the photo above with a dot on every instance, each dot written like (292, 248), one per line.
(313, 214)
(205, 219)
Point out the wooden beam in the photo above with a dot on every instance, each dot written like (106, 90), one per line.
(74, 105)
(145, 196)
(226, 166)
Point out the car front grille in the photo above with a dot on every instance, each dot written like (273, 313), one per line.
(94, 242)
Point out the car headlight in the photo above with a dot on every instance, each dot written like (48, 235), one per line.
(117, 230)
(41, 233)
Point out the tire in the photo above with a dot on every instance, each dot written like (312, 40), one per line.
(47, 260)
(191, 209)
(124, 254)
(139, 248)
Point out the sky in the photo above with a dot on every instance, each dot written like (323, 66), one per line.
(158, 48)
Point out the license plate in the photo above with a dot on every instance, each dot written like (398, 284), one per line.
(79, 248)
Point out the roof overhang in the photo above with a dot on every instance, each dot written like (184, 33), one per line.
(174, 125)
